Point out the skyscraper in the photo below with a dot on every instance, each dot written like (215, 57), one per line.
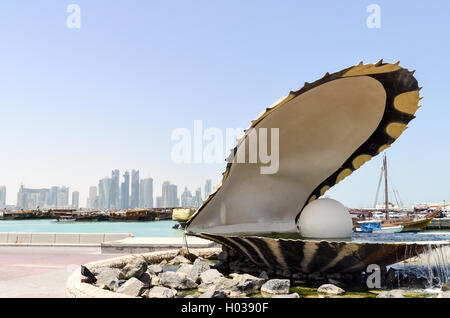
(125, 191)
(169, 195)
(165, 194)
(146, 193)
(93, 192)
(92, 200)
(104, 191)
(207, 188)
(134, 202)
(174, 196)
(141, 194)
(114, 201)
(75, 199)
(198, 198)
(186, 198)
(53, 196)
(62, 198)
(2, 196)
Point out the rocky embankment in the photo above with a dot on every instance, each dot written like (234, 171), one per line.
(185, 277)
(226, 274)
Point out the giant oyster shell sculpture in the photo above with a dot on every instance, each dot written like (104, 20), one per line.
(327, 129)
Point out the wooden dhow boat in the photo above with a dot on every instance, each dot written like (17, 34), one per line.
(407, 224)
(87, 215)
(26, 214)
(132, 215)
(13, 215)
(150, 214)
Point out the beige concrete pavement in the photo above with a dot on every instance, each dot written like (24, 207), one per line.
(41, 272)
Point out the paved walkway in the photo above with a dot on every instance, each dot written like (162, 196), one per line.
(41, 271)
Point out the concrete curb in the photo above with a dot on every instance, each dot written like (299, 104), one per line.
(76, 289)
(59, 239)
(48, 245)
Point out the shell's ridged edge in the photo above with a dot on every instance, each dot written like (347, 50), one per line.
(395, 80)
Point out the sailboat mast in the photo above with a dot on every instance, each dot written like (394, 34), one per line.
(386, 195)
(378, 188)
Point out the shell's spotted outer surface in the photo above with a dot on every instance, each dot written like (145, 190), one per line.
(402, 98)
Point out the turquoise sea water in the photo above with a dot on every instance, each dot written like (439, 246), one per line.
(138, 229)
(145, 228)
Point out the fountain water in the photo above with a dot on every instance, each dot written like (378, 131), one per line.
(436, 263)
(429, 267)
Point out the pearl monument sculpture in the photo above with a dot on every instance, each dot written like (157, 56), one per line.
(327, 130)
(325, 219)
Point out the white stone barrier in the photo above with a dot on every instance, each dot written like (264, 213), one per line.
(59, 239)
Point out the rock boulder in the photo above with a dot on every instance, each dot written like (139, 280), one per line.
(179, 260)
(276, 286)
(210, 276)
(185, 269)
(199, 267)
(134, 269)
(154, 269)
(177, 281)
(160, 292)
(213, 292)
(330, 289)
(132, 287)
(395, 293)
(104, 274)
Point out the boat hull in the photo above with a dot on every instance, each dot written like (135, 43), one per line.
(415, 226)
(390, 229)
(65, 219)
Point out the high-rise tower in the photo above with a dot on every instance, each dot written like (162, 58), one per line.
(146, 193)
(125, 191)
(134, 202)
(114, 191)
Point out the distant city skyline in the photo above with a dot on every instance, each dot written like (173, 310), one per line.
(107, 195)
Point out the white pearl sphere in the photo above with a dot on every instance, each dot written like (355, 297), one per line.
(325, 218)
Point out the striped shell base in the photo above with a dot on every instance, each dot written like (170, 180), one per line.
(310, 256)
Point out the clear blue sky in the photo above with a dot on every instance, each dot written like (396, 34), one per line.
(77, 103)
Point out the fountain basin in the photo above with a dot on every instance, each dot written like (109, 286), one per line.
(288, 252)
